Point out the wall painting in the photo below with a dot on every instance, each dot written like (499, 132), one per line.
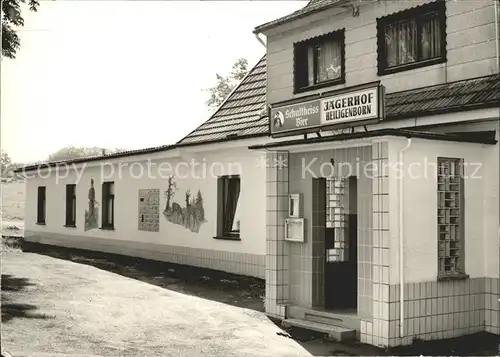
(92, 213)
(192, 215)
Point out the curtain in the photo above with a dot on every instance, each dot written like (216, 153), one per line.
(430, 46)
(111, 209)
(310, 65)
(329, 58)
(232, 194)
(401, 43)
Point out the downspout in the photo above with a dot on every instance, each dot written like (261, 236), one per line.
(401, 246)
(260, 40)
(497, 34)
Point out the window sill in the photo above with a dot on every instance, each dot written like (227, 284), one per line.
(40, 223)
(411, 66)
(319, 86)
(70, 225)
(228, 238)
(107, 228)
(458, 276)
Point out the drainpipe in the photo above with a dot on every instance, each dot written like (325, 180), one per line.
(497, 35)
(401, 246)
(260, 40)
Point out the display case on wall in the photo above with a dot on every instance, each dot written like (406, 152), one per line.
(295, 223)
(295, 205)
(295, 229)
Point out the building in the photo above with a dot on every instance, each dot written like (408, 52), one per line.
(370, 130)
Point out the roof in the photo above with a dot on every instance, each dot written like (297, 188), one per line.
(445, 98)
(95, 158)
(311, 7)
(478, 137)
(243, 114)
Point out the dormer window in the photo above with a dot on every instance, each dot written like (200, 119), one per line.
(412, 38)
(319, 62)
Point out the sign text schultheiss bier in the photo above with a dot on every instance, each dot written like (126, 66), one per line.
(350, 107)
(301, 114)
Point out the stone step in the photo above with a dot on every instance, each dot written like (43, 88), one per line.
(336, 333)
(327, 320)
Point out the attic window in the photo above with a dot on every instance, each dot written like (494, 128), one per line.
(319, 62)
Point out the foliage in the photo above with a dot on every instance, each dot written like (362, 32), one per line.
(5, 162)
(7, 167)
(225, 85)
(72, 152)
(12, 18)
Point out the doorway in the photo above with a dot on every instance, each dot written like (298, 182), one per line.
(341, 253)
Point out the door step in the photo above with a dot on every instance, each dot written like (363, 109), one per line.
(336, 333)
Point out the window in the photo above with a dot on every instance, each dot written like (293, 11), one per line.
(41, 207)
(319, 62)
(228, 208)
(108, 205)
(450, 217)
(412, 38)
(70, 205)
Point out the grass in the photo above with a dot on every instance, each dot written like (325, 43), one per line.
(13, 201)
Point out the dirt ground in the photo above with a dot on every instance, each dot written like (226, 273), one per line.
(211, 287)
(52, 307)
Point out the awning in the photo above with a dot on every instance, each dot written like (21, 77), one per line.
(483, 137)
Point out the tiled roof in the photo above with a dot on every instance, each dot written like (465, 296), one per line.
(43, 165)
(455, 96)
(243, 114)
(311, 7)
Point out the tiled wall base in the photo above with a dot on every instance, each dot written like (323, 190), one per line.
(231, 262)
(275, 310)
(436, 310)
(492, 305)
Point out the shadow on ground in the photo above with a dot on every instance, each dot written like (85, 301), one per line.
(248, 292)
(12, 289)
(209, 284)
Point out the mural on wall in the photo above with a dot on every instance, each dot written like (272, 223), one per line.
(149, 210)
(192, 216)
(91, 214)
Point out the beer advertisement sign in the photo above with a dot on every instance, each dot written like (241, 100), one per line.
(340, 109)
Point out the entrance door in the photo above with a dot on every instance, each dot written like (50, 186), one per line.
(341, 253)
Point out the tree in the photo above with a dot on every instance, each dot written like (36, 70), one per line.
(5, 163)
(11, 18)
(198, 203)
(225, 85)
(72, 152)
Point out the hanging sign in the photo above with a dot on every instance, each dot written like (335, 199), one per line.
(341, 109)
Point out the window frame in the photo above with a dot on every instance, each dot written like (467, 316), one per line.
(416, 13)
(41, 212)
(461, 273)
(222, 233)
(106, 197)
(300, 49)
(70, 206)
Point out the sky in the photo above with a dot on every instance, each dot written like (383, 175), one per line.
(122, 74)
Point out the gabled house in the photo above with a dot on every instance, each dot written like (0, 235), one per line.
(355, 169)
(386, 219)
